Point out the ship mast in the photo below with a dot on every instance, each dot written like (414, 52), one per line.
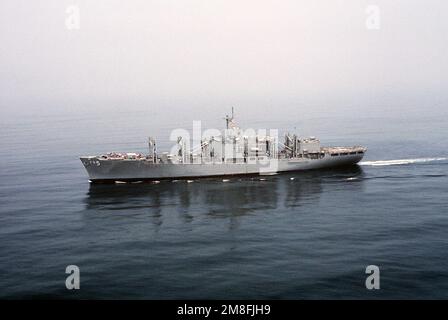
(229, 119)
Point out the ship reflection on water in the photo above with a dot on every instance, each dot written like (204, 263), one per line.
(221, 199)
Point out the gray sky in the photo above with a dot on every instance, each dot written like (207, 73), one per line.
(224, 52)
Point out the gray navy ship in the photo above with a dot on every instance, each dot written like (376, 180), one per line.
(232, 153)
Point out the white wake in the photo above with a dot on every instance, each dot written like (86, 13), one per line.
(399, 161)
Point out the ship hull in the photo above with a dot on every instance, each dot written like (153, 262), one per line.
(126, 170)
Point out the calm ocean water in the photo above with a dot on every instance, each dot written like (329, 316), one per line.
(311, 237)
